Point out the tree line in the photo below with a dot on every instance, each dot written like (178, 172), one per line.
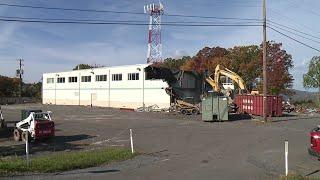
(10, 87)
(246, 61)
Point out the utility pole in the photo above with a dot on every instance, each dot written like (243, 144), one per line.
(20, 72)
(265, 107)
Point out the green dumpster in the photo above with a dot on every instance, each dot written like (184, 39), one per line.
(215, 108)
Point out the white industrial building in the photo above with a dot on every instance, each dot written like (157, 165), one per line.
(119, 86)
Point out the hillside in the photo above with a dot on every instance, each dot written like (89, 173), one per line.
(303, 95)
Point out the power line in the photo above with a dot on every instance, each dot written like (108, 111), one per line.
(104, 20)
(234, 4)
(122, 23)
(212, 17)
(294, 4)
(68, 9)
(295, 33)
(294, 39)
(293, 29)
(282, 16)
(121, 12)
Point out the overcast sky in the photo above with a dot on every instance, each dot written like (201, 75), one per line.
(59, 47)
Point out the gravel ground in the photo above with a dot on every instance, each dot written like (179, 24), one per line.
(173, 146)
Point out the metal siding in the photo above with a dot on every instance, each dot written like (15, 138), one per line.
(125, 93)
(253, 104)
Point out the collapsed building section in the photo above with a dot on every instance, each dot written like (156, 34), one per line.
(187, 86)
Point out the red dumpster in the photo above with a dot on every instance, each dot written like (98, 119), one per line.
(253, 104)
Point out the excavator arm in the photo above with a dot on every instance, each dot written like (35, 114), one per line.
(213, 84)
(230, 74)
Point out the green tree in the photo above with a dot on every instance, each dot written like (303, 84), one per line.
(312, 78)
(83, 66)
(245, 62)
(32, 90)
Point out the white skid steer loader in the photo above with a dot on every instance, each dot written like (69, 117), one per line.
(37, 125)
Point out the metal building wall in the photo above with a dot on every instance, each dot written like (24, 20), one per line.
(125, 93)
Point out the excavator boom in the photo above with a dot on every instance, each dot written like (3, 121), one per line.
(213, 84)
(230, 74)
(235, 77)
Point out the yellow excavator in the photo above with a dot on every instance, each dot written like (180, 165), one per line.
(218, 87)
(215, 83)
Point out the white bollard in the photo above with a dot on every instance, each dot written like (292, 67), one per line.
(131, 140)
(286, 151)
(27, 147)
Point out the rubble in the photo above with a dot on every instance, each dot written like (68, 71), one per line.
(307, 110)
(287, 107)
(152, 108)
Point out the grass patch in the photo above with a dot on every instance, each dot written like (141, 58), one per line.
(297, 177)
(64, 161)
(293, 177)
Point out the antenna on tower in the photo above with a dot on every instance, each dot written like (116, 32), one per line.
(154, 36)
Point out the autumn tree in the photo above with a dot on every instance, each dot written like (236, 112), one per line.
(279, 62)
(207, 59)
(247, 62)
(9, 87)
(312, 78)
(174, 64)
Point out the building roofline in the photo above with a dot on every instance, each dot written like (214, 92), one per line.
(99, 68)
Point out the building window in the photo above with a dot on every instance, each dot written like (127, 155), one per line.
(101, 78)
(61, 80)
(116, 77)
(73, 79)
(85, 78)
(50, 80)
(133, 76)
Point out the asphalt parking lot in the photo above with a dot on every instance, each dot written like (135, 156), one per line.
(173, 146)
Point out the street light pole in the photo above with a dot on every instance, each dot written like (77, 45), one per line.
(143, 77)
(79, 86)
(92, 72)
(55, 89)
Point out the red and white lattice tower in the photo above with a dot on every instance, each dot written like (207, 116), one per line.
(154, 42)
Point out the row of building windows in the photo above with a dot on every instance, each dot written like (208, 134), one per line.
(99, 78)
